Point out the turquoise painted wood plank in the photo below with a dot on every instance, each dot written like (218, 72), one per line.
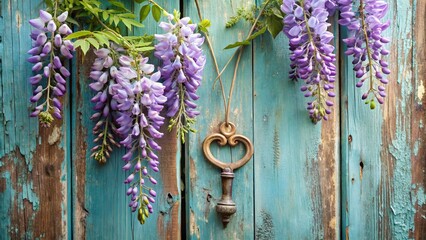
(383, 150)
(203, 181)
(33, 161)
(296, 163)
(100, 203)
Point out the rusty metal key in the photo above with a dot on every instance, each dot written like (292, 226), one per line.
(226, 207)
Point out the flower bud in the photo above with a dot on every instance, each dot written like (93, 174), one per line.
(65, 30)
(37, 23)
(127, 166)
(46, 71)
(45, 16)
(138, 166)
(34, 59)
(41, 39)
(58, 40)
(129, 178)
(63, 16)
(47, 48)
(35, 79)
(64, 72)
(37, 67)
(36, 97)
(51, 26)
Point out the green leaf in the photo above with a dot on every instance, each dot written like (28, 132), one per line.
(277, 12)
(118, 4)
(105, 15)
(101, 39)
(237, 44)
(129, 22)
(116, 20)
(156, 13)
(78, 34)
(112, 37)
(256, 34)
(140, 1)
(275, 25)
(145, 49)
(93, 42)
(83, 45)
(126, 15)
(204, 24)
(144, 12)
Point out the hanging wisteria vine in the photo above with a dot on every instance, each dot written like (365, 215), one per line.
(129, 92)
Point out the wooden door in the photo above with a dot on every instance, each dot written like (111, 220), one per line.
(360, 175)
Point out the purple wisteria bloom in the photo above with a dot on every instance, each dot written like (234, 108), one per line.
(312, 57)
(179, 50)
(49, 51)
(366, 44)
(104, 72)
(139, 99)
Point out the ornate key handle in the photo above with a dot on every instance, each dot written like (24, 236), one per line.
(226, 206)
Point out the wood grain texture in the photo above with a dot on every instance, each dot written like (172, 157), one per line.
(383, 151)
(296, 162)
(33, 173)
(203, 181)
(100, 203)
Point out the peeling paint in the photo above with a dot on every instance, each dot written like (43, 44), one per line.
(416, 147)
(401, 205)
(194, 230)
(18, 19)
(420, 93)
(55, 136)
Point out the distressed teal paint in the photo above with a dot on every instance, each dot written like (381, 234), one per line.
(17, 131)
(19, 134)
(203, 181)
(402, 208)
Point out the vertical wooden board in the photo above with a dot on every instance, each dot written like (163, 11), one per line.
(418, 131)
(296, 162)
(100, 202)
(383, 150)
(203, 181)
(33, 160)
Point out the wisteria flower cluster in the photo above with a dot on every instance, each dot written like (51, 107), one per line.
(366, 44)
(312, 57)
(49, 53)
(129, 100)
(183, 62)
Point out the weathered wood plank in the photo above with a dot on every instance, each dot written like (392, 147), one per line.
(100, 203)
(203, 181)
(33, 161)
(383, 151)
(296, 162)
(418, 132)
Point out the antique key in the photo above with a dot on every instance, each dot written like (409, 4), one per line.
(226, 207)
